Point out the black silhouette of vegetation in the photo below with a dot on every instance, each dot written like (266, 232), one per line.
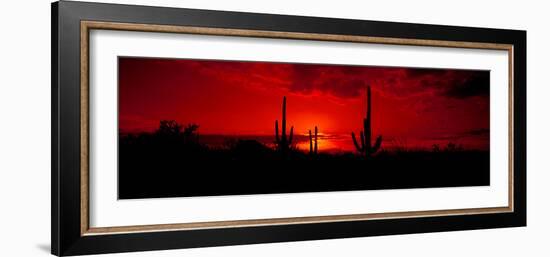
(283, 143)
(172, 162)
(313, 143)
(366, 148)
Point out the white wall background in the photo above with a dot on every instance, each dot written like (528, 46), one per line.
(25, 127)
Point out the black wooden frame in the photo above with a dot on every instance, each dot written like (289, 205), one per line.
(66, 232)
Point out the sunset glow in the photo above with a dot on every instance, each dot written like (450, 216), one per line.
(411, 107)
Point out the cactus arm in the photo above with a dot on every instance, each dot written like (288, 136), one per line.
(363, 143)
(277, 131)
(290, 136)
(315, 139)
(283, 125)
(377, 144)
(355, 142)
(310, 143)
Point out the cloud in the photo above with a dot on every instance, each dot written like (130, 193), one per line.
(346, 81)
(459, 84)
(476, 84)
(351, 81)
(337, 81)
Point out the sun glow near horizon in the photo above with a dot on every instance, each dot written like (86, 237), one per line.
(425, 106)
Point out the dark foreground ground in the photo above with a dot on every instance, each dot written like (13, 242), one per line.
(153, 166)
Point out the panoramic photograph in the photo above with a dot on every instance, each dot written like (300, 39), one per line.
(189, 127)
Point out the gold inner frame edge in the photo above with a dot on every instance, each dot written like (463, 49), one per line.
(86, 26)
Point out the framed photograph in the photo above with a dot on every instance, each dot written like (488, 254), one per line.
(178, 128)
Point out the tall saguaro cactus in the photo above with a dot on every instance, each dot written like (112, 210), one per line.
(283, 143)
(366, 148)
(312, 148)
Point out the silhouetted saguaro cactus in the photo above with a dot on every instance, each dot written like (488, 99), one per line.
(366, 148)
(312, 141)
(283, 143)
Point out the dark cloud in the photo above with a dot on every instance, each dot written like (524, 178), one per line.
(478, 132)
(339, 81)
(421, 72)
(351, 81)
(459, 84)
(476, 84)
(347, 81)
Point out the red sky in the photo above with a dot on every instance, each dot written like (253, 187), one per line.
(411, 105)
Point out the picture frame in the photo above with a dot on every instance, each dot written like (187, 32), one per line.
(72, 233)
